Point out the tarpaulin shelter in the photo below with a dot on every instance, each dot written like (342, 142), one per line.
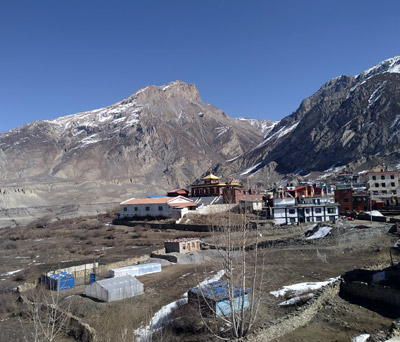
(59, 281)
(213, 298)
(136, 270)
(109, 290)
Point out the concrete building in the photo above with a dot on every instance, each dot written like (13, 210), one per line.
(186, 245)
(383, 185)
(299, 210)
(155, 207)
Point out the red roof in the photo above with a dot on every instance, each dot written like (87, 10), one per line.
(157, 200)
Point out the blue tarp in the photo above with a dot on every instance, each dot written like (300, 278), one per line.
(60, 281)
(218, 290)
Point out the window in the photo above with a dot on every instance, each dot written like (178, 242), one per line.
(374, 177)
(375, 193)
(331, 210)
(160, 208)
(292, 220)
(292, 211)
(318, 210)
(382, 177)
(346, 200)
(384, 192)
(376, 185)
(392, 184)
(147, 208)
(125, 209)
(308, 219)
(318, 219)
(391, 176)
(136, 209)
(307, 210)
(394, 192)
(346, 208)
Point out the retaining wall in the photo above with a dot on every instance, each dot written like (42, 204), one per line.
(290, 322)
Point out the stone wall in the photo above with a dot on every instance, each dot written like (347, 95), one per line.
(290, 322)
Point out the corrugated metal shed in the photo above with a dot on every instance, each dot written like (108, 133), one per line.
(60, 281)
(109, 290)
(213, 298)
(136, 270)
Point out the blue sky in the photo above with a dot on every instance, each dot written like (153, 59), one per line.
(249, 58)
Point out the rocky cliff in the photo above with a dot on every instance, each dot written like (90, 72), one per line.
(156, 139)
(349, 120)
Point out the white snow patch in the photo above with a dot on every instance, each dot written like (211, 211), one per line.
(250, 169)
(310, 228)
(231, 160)
(300, 288)
(320, 233)
(10, 273)
(374, 213)
(280, 133)
(360, 338)
(162, 315)
(297, 299)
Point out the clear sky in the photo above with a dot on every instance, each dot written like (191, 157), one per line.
(249, 58)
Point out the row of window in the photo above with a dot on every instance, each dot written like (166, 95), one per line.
(384, 185)
(160, 208)
(383, 177)
(316, 210)
(308, 219)
(384, 192)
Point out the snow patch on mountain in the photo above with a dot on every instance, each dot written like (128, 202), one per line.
(249, 169)
(279, 134)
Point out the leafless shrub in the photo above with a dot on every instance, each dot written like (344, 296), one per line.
(8, 303)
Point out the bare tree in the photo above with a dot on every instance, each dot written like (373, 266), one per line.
(48, 315)
(236, 241)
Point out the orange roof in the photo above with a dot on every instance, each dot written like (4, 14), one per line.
(161, 200)
(157, 200)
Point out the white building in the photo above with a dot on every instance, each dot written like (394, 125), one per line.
(308, 209)
(384, 185)
(155, 207)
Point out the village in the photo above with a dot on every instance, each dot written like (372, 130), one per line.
(320, 224)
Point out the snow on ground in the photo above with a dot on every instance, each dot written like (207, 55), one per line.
(374, 213)
(300, 288)
(10, 273)
(297, 299)
(320, 233)
(360, 338)
(310, 229)
(162, 315)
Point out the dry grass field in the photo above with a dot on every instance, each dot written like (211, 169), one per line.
(291, 259)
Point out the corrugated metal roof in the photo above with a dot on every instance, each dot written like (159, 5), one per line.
(218, 291)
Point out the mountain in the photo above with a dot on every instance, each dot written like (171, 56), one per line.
(156, 139)
(350, 120)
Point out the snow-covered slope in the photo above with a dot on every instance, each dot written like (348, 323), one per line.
(349, 119)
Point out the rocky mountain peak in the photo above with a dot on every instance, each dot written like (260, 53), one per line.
(391, 65)
(173, 89)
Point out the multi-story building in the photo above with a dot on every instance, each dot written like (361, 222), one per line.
(352, 200)
(307, 209)
(383, 185)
